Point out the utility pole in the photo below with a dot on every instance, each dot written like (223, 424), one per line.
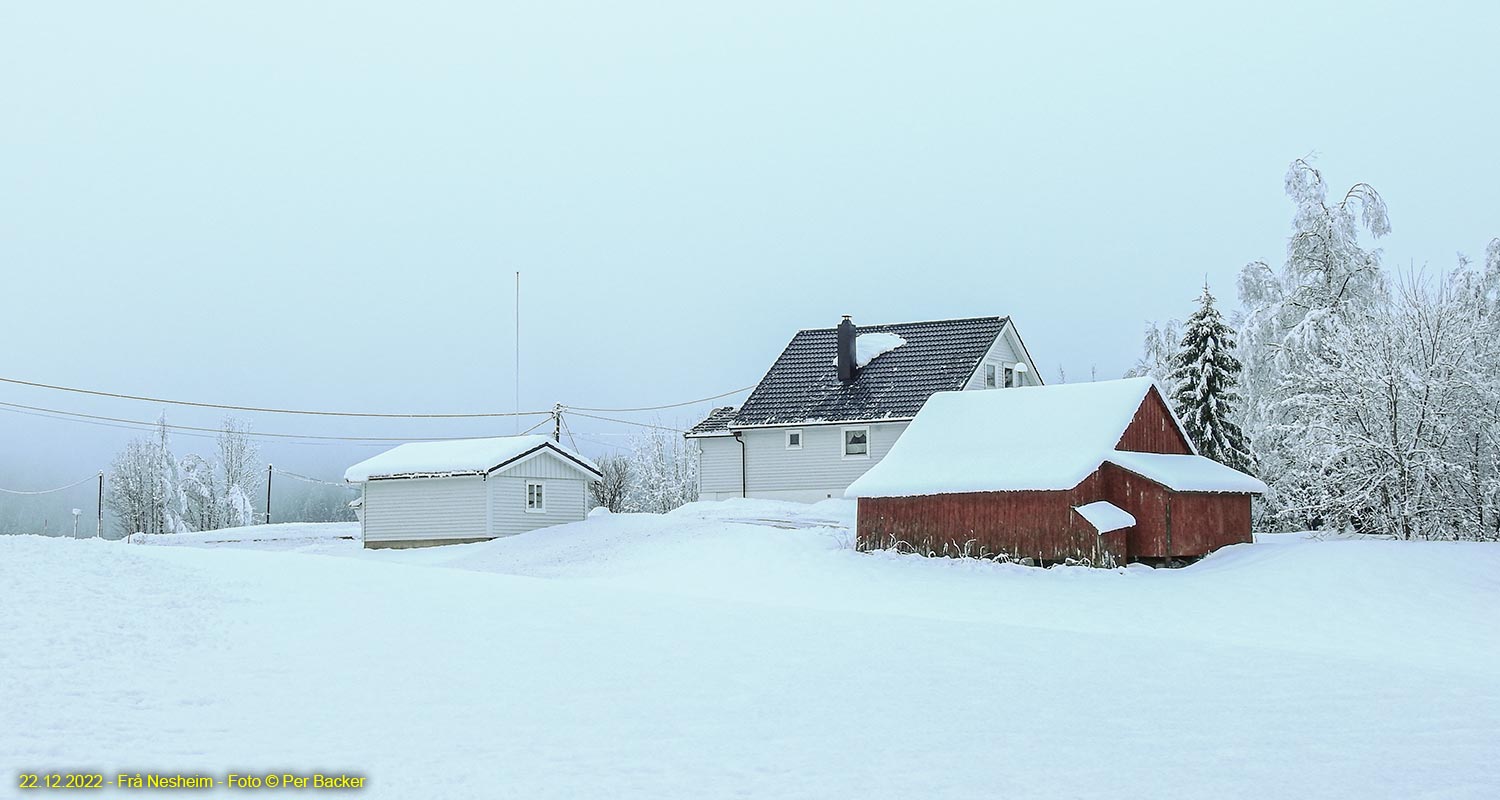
(100, 529)
(269, 470)
(557, 423)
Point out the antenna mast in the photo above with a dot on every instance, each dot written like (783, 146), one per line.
(518, 352)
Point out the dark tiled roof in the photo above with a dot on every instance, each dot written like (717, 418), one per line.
(717, 421)
(803, 384)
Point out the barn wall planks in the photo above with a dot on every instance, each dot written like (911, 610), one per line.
(1044, 526)
(1152, 429)
(1202, 522)
(1037, 525)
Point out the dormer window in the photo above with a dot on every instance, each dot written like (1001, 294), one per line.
(990, 378)
(1010, 377)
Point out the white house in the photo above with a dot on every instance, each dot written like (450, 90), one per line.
(469, 490)
(837, 399)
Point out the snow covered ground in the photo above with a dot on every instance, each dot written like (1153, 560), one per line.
(744, 649)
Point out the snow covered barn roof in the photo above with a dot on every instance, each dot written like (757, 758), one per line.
(459, 457)
(901, 365)
(1187, 473)
(1032, 438)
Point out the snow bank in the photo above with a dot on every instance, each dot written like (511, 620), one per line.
(277, 532)
(774, 649)
(1025, 438)
(1105, 516)
(459, 457)
(668, 656)
(1187, 473)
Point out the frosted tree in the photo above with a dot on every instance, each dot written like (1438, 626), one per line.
(239, 473)
(1398, 428)
(664, 472)
(1202, 385)
(1158, 345)
(1294, 324)
(216, 493)
(144, 486)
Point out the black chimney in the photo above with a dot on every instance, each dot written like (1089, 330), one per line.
(846, 336)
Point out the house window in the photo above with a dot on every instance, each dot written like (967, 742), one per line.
(856, 443)
(989, 376)
(536, 498)
(794, 440)
(1010, 377)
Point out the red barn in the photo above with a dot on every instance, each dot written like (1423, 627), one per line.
(1100, 472)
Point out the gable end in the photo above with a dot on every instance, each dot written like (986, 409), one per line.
(1154, 429)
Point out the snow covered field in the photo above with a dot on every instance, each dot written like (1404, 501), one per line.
(742, 649)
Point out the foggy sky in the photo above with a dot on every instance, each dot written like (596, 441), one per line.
(323, 205)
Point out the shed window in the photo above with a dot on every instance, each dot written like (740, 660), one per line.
(794, 440)
(989, 376)
(856, 442)
(536, 498)
(1010, 377)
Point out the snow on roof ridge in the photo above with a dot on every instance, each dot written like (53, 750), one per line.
(1027, 438)
(455, 457)
(862, 326)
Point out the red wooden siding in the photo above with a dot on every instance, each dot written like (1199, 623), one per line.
(1202, 522)
(1152, 430)
(1039, 525)
(1146, 501)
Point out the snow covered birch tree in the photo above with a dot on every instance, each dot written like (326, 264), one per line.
(1291, 318)
(664, 472)
(1202, 386)
(1158, 345)
(216, 494)
(144, 486)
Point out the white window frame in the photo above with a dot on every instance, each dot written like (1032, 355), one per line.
(542, 486)
(789, 434)
(844, 441)
(991, 376)
(1008, 379)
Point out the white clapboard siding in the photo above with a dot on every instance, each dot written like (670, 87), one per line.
(543, 464)
(718, 467)
(819, 468)
(1005, 352)
(417, 509)
(566, 501)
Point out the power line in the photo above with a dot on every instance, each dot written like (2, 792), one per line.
(306, 479)
(534, 427)
(170, 426)
(660, 408)
(131, 427)
(89, 479)
(263, 410)
(629, 422)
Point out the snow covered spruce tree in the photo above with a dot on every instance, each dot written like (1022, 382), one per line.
(1202, 385)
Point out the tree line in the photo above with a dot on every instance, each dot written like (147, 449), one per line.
(1368, 402)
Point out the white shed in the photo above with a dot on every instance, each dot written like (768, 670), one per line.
(470, 490)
